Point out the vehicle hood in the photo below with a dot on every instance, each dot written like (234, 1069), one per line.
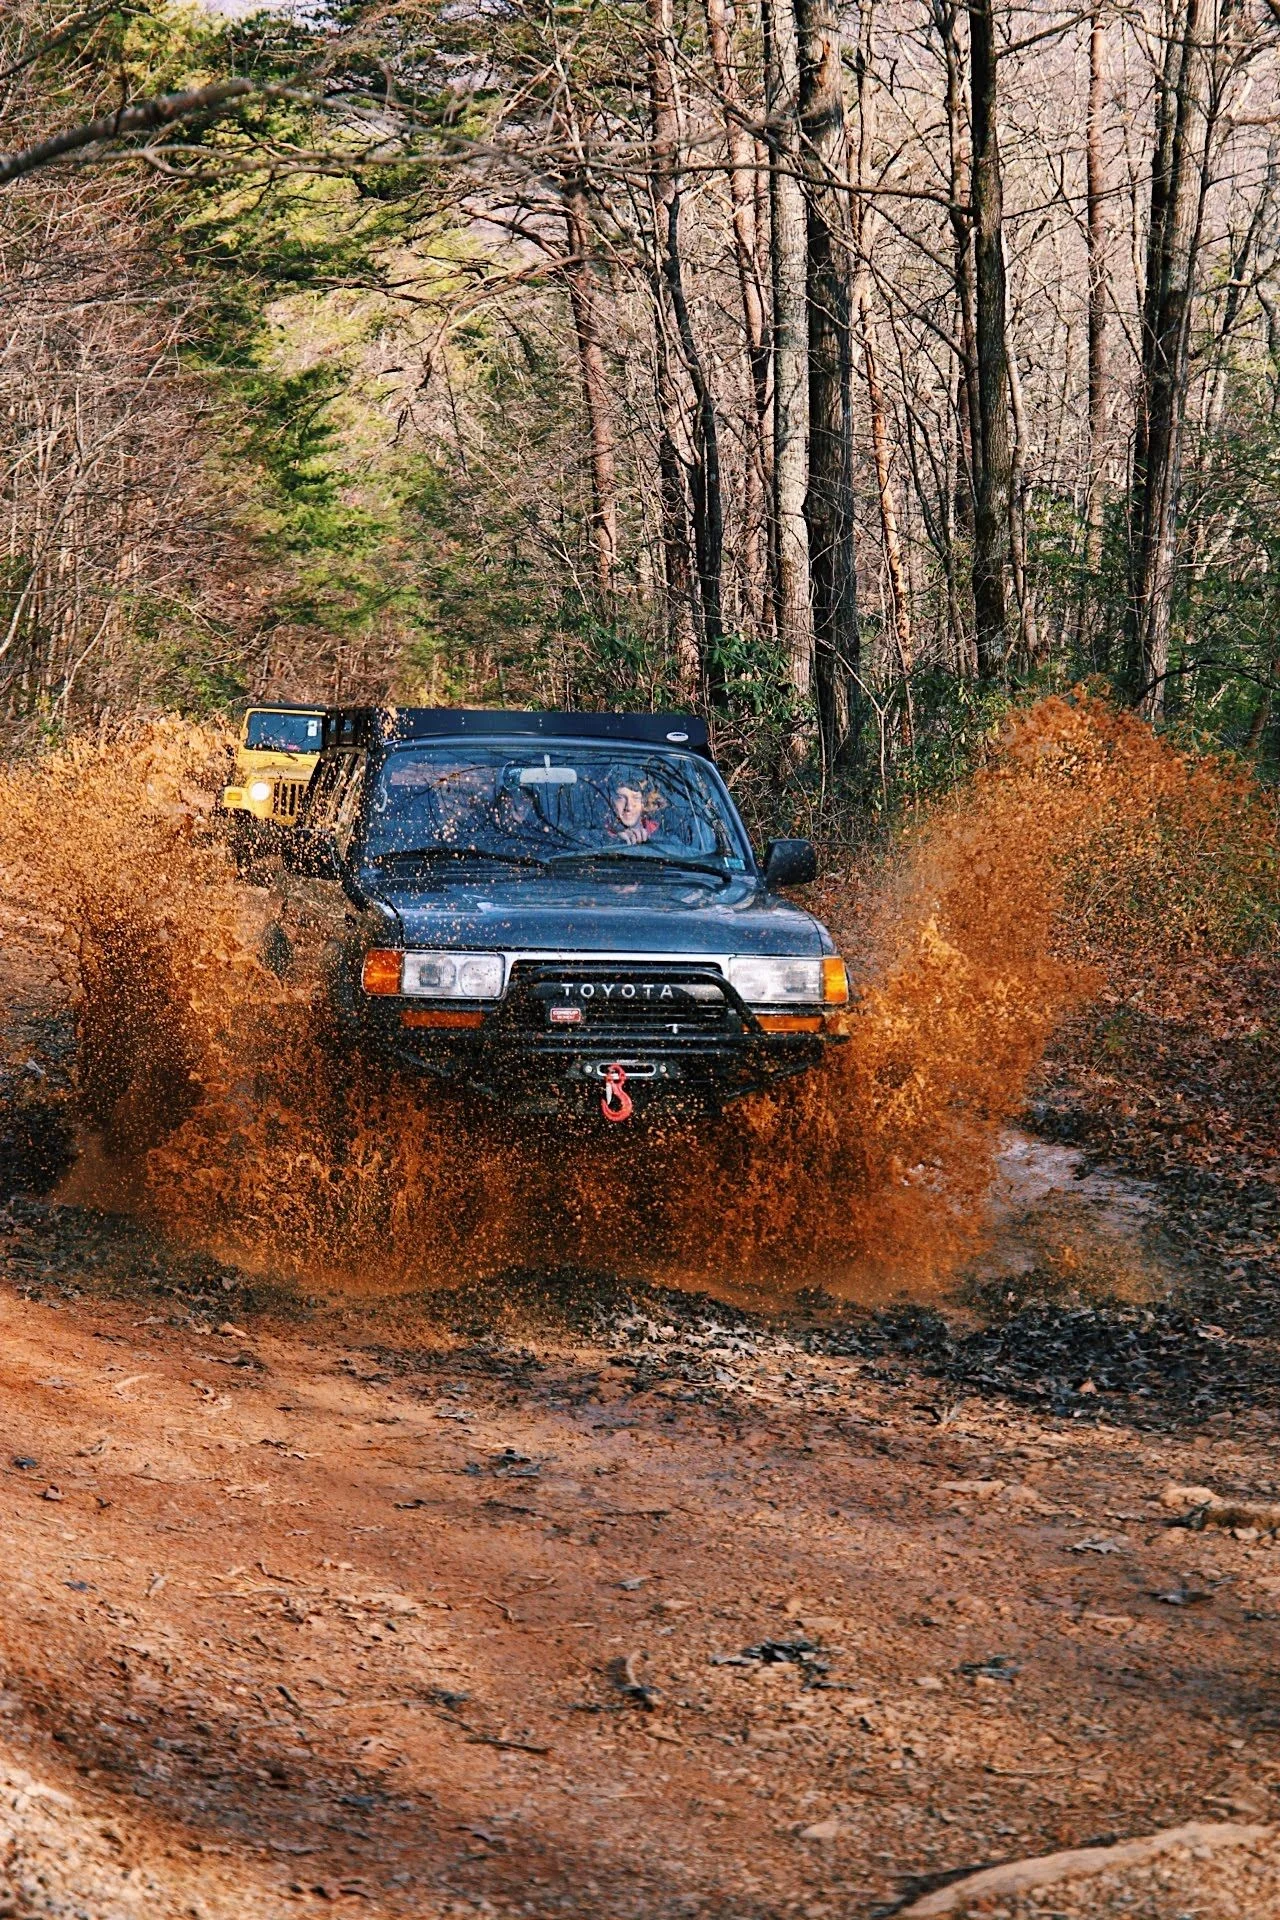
(533, 912)
(260, 760)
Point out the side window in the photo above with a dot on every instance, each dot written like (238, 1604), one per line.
(349, 804)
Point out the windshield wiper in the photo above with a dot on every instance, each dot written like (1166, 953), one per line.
(457, 853)
(639, 855)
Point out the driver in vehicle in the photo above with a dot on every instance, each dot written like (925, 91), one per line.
(631, 824)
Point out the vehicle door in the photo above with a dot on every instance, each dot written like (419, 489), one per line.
(315, 909)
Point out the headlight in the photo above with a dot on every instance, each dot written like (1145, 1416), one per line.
(453, 976)
(259, 790)
(791, 983)
(777, 983)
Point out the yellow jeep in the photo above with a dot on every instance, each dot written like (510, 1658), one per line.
(279, 745)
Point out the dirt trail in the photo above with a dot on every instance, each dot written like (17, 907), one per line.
(294, 1618)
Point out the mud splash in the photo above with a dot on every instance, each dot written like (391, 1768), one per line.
(223, 1113)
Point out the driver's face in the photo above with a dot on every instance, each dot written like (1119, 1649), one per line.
(628, 804)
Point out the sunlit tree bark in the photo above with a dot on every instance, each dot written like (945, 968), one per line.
(741, 170)
(705, 488)
(1096, 239)
(580, 280)
(865, 223)
(789, 263)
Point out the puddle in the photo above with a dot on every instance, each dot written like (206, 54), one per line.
(1069, 1226)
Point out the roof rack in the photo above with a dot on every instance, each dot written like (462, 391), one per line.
(279, 706)
(378, 726)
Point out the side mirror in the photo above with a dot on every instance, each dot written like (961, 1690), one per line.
(311, 854)
(790, 863)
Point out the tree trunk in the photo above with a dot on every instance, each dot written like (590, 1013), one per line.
(595, 388)
(788, 262)
(1237, 288)
(1260, 721)
(960, 189)
(865, 221)
(898, 599)
(1019, 486)
(993, 491)
(829, 498)
(673, 510)
(705, 487)
(682, 634)
(1095, 230)
(741, 150)
(1173, 246)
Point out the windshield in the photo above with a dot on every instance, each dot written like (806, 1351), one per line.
(569, 803)
(283, 732)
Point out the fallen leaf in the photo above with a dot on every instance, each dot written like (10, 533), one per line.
(823, 1830)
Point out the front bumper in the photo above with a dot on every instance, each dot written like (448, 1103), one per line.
(712, 1046)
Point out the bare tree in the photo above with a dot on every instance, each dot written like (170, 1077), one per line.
(829, 497)
(580, 280)
(866, 223)
(992, 505)
(707, 496)
(1096, 240)
(789, 264)
(740, 148)
(651, 298)
(1173, 240)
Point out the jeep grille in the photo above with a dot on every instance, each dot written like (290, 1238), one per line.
(286, 798)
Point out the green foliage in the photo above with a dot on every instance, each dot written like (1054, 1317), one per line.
(287, 273)
(1227, 609)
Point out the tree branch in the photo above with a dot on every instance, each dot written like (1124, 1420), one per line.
(60, 40)
(145, 117)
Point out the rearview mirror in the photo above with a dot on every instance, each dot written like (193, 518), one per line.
(790, 863)
(548, 776)
(312, 854)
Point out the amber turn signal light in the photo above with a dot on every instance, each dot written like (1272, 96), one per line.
(790, 1022)
(440, 1017)
(835, 982)
(381, 970)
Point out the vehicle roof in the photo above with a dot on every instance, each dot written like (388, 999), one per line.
(385, 726)
(283, 706)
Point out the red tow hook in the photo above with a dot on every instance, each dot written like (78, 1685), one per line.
(616, 1103)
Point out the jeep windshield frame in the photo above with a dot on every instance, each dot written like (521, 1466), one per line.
(547, 800)
(267, 730)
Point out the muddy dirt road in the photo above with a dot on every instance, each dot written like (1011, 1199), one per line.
(674, 1620)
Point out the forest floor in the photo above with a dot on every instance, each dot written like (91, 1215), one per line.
(618, 1603)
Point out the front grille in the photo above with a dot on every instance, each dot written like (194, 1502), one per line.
(286, 798)
(624, 1003)
(706, 1040)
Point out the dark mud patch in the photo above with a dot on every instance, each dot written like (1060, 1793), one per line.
(37, 1137)
(1154, 1368)
(1159, 1368)
(54, 1252)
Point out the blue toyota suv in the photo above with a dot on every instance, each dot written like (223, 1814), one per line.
(558, 909)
